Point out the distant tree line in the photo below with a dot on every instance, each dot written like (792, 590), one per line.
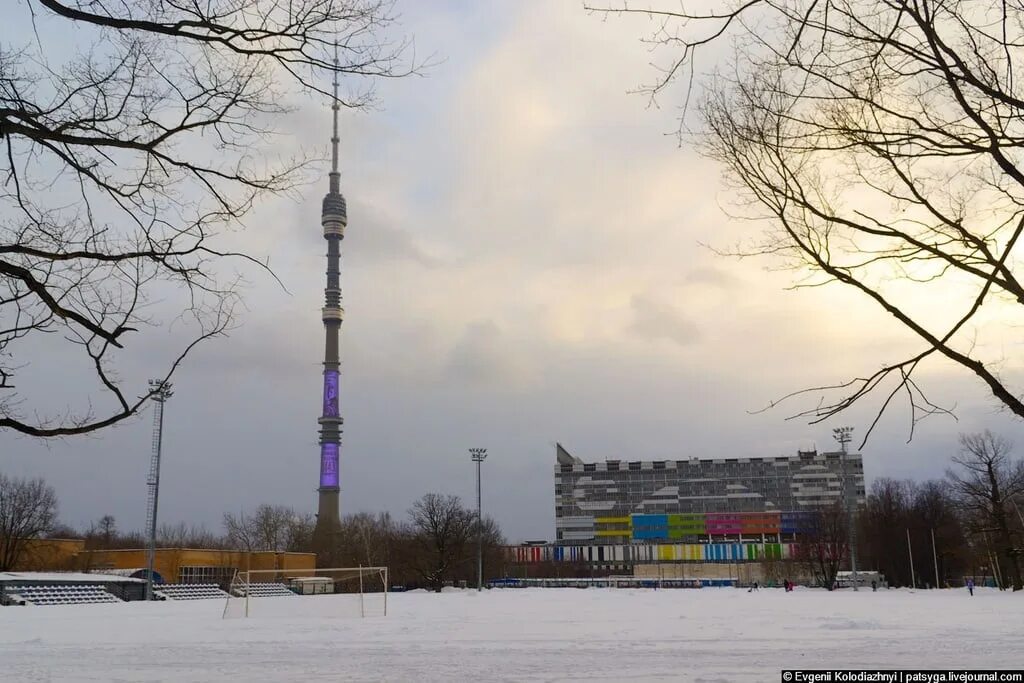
(967, 524)
(973, 514)
(435, 545)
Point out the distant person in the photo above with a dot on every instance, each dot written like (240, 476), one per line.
(970, 586)
(874, 586)
(753, 587)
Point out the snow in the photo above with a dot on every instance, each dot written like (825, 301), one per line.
(77, 577)
(537, 634)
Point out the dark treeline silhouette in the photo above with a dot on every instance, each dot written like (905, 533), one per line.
(973, 514)
(436, 545)
(895, 507)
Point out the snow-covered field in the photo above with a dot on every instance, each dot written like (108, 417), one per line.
(532, 634)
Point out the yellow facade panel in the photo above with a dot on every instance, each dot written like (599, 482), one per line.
(612, 520)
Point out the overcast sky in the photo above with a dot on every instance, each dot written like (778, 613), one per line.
(523, 265)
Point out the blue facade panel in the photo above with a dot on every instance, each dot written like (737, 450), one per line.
(650, 520)
(650, 533)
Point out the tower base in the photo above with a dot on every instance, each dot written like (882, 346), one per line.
(327, 533)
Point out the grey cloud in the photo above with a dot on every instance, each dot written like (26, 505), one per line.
(484, 356)
(377, 239)
(654, 319)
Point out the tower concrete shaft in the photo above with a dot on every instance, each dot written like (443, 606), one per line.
(333, 219)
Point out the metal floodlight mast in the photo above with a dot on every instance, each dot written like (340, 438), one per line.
(161, 391)
(478, 455)
(844, 435)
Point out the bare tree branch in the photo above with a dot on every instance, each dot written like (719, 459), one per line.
(123, 167)
(881, 142)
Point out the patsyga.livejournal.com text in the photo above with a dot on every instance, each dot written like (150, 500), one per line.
(901, 676)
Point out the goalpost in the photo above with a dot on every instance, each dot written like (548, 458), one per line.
(342, 592)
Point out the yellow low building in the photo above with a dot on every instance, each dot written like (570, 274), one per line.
(174, 565)
(49, 554)
(194, 565)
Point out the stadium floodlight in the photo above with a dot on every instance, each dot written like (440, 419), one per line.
(844, 435)
(478, 455)
(160, 391)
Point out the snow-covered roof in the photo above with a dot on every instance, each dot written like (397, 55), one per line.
(57, 577)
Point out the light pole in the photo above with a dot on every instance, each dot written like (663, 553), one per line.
(160, 391)
(910, 552)
(478, 455)
(843, 435)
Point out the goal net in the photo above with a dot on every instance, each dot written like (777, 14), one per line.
(288, 593)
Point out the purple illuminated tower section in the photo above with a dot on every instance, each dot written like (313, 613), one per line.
(333, 218)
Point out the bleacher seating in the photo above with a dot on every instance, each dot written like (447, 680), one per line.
(63, 595)
(190, 591)
(264, 590)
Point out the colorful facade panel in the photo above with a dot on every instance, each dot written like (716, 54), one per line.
(645, 527)
(665, 552)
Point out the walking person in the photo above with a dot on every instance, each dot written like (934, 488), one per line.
(970, 586)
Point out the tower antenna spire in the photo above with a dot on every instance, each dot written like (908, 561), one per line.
(335, 176)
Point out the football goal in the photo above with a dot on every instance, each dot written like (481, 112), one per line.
(288, 593)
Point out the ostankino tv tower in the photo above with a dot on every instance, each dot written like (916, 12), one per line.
(333, 218)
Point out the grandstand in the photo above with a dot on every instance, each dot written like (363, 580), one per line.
(67, 588)
(61, 595)
(190, 591)
(262, 590)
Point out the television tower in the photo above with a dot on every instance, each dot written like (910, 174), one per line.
(333, 219)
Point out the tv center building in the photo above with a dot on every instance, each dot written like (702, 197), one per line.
(617, 514)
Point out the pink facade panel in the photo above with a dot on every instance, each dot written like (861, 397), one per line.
(723, 523)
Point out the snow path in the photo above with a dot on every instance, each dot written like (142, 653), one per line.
(518, 635)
